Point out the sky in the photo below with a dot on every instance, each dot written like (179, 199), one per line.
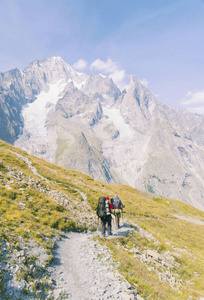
(161, 42)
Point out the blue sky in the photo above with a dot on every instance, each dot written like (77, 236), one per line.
(160, 41)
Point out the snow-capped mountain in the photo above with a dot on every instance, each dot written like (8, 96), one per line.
(86, 123)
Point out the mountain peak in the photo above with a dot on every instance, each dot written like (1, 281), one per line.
(55, 60)
(136, 83)
(138, 90)
(51, 70)
(134, 79)
(58, 58)
(49, 63)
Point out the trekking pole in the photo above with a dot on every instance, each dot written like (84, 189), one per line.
(98, 225)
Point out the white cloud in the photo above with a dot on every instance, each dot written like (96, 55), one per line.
(193, 98)
(144, 82)
(118, 76)
(111, 69)
(108, 67)
(194, 101)
(80, 65)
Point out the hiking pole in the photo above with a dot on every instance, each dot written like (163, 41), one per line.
(98, 225)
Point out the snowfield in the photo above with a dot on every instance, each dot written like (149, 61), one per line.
(117, 119)
(35, 113)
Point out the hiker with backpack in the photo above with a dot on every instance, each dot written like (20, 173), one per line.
(104, 211)
(117, 210)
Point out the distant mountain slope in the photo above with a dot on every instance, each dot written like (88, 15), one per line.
(86, 123)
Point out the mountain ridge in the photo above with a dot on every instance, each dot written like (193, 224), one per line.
(118, 137)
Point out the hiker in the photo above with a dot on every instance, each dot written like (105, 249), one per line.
(117, 210)
(104, 211)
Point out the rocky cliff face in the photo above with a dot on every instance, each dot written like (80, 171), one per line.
(86, 123)
(12, 97)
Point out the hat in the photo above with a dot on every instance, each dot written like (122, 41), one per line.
(116, 195)
(107, 198)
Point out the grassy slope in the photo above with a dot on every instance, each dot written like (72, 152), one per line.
(43, 218)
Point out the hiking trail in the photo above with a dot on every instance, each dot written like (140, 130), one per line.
(84, 269)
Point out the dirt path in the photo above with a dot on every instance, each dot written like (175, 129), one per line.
(29, 164)
(192, 220)
(82, 269)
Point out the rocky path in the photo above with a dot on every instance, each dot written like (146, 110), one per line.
(29, 164)
(83, 269)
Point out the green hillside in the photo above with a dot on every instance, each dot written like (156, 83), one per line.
(163, 257)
